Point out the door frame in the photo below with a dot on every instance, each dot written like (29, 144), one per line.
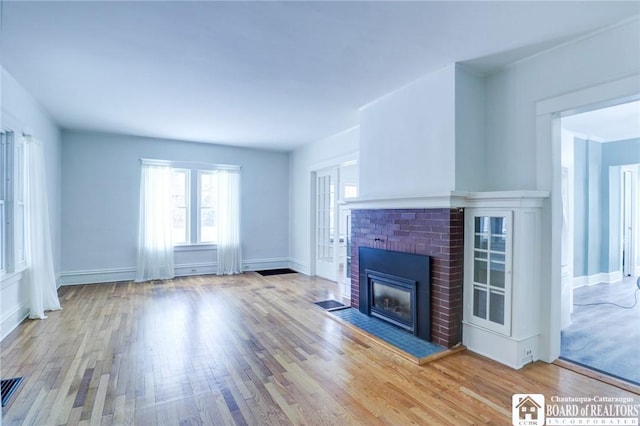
(549, 177)
(313, 169)
(632, 254)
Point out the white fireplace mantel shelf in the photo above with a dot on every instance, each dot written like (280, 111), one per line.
(452, 200)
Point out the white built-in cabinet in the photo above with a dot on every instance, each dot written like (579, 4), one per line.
(501, 317)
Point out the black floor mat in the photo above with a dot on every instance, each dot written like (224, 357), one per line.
(330, 304)
(9, 386)
(276, 272)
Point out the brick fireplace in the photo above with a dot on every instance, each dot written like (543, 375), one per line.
(438, 233)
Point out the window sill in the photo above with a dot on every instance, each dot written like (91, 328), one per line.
(194, 247)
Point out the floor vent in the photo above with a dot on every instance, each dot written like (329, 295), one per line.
(280, 271)
(330, 305)
(9, 386)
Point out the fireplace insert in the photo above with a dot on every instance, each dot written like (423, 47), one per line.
(392, 299)
(395, 287)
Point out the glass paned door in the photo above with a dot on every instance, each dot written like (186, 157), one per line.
(491, 274)
(326, 241)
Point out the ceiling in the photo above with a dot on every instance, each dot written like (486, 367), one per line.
(616, 123)
(262, 74)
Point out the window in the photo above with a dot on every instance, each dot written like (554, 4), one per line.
(195, 202)
(207, 209)
(12, 206)
(180, 205)
(4, 166)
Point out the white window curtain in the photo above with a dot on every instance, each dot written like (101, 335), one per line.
(39, 276)
(228, 246)
(155, 242)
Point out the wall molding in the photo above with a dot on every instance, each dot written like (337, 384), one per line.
(299, 266)
(453, 199)
(97, 276)
(602, 277)
(10, 279)
(11, 320)
(264, 264)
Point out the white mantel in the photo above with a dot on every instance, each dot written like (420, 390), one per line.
(452, 200)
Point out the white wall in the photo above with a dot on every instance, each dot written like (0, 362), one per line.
(470, 150)
(407, 139)
(22, 113)
(512, 93)
(324, 153)
(100, 190)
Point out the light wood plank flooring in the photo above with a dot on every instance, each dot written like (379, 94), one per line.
(244, 350)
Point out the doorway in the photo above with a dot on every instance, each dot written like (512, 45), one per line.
(600, 160)
(333, 187)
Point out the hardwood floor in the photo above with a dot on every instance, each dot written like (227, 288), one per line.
(244, 350)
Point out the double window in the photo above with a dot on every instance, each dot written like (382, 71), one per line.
(12, 205)
(195, 209)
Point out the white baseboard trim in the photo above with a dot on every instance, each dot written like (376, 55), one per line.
(97, 276)
(298, 266)
(188, 269)
(602, 277)
(12, 319)
(265, 264)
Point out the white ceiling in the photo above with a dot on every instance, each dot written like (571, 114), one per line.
(261, 74)
(610, 124)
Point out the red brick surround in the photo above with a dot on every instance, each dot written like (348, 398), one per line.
(438, 233)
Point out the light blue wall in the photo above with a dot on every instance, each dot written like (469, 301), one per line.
(580, 199)
(614, 155)
(100, 190)
(597, 203)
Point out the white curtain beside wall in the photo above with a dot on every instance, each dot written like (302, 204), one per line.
(228, 246)
(39, 275)
(155, 242)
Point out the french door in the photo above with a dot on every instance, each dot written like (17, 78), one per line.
(326, 239)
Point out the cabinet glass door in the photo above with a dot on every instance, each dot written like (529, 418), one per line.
(491, 270)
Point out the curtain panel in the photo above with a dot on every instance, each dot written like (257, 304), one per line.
(155, 242)
(39, 274)
(229, 246)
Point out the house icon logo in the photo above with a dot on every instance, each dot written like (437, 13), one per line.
(527, 409)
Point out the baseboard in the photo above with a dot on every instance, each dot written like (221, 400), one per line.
(97, 276)
(602, 277)
(265, 264)
(299, 266)
(11, 320)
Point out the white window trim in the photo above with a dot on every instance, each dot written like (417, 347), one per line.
(9, 264)
(199, 208)
(187, 205)
(193, 231)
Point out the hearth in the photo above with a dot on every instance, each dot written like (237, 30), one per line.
(395, 287)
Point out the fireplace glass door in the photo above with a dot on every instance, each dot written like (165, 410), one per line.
(393, 299)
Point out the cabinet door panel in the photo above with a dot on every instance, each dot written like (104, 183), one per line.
(488, 276)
